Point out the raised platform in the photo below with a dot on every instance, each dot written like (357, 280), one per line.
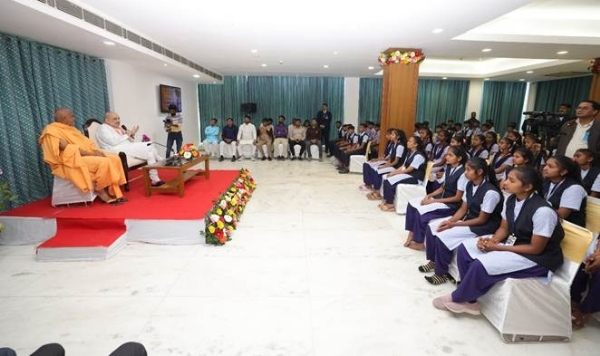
(98, 230)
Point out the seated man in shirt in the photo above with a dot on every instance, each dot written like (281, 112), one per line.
(112, 136)
(211, 137)
(281, 138)
(228, 138)
(247, 138)
(313, 137)
(265, 138)
(297, 136)
(584, 132)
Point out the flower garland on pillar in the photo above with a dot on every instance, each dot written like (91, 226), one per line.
(398, 56)
(595, 66)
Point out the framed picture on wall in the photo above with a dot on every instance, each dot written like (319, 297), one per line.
(169, 95)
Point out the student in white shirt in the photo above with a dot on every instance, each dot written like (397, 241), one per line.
(246, 138)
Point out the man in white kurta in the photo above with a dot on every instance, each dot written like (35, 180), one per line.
(111, 136)
(247, 137)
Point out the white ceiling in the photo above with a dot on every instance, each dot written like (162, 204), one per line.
(299, 38)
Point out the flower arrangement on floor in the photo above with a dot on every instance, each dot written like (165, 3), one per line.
(400, 57)
(222, 219)
(189, 151)
(594, 66)
(5, 196)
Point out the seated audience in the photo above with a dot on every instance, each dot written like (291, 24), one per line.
(247, 138)
(511, 127)
(425, 135)
(358, 148)
(313, 137)
(478, 147)
(503, 159)
(351, 139)
(74, 157)
(562, 189)
(112, 136)
(280, 145)
(534, 144)
(478, 215)
(442, 202)
(411, 172)
(211, 137)
(516, 138)
(491, 144)
(589, 172)
(228, 138)
(527, 244)
(265, 139)
(374, 170)
(297, 136)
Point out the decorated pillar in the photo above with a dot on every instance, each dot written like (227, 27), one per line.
(399, 92)
(595, 89)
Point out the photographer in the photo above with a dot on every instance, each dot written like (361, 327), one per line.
(583, 132)
(530, 125)
(173, 124)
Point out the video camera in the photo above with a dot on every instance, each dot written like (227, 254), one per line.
(545, 118)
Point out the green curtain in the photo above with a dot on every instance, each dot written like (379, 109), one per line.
(34, 80)
(551, 94)
(369, 99)
(292, 97)
(437, 101)
(502, 102)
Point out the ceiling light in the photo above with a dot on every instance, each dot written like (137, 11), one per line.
(253, 51)
(108, 43)
(438, 30)
(165, 64)
(335, 53)
(562, 52)
(486, 50)
(486, 78)
(325, 66)
(263, 65)
(444, 78)
(521, 80)
(529, 72)
(196, 75)
(371, 68)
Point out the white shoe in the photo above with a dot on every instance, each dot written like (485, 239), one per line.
(440, 302)
(459, 308)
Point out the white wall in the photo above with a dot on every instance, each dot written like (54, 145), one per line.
(133, 94)
(351, 96)
(474, 100)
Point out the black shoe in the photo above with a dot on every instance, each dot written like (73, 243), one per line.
(221, 159)
(329, 155)
(158, 184)
(344, 171)
(293, 158)
(270, 159)
(233, 159)
(300, 158)
(264, 158)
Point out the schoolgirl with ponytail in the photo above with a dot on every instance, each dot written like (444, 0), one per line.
(563, 190)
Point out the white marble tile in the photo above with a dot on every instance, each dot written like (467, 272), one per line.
(249, 242)
(336, 221)
(230, 326)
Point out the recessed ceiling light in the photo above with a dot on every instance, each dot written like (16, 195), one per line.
(253, 51)
(108, 43)
(438, 30)
(214, 82)
(486, 50)
(444, 78)
(263, 65)
(196, 75)
(529, 72)
(371, 68)
(562, 52)
(335, 53)
(522, 80)
(325, 66)
(486, 78)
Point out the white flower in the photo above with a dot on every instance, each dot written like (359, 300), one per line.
(187, 154)
(228, 218)
(214, 218)
(223, 204)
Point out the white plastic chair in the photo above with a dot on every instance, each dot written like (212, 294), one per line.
(356, 161)
(529, 310)
(406, 192)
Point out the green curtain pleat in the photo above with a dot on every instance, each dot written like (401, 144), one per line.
(35, 79)
(437, 101)
(292, 97)
(551, 94)
(502, 102)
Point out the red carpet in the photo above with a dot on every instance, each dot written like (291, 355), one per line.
(85, 233)
(199, 196)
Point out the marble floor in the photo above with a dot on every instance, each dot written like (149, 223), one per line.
(314, 269)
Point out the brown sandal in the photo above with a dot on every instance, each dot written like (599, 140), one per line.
(386, 207)
(374, 196)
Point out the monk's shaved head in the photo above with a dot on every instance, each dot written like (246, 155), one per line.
(64, 116)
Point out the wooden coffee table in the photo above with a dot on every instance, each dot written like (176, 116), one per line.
(184, 174)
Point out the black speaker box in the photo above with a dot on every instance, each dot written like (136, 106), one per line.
(249, 108)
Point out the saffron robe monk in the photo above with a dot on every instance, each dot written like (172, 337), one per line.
(74, 157)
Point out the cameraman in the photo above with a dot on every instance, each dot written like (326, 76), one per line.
(173, 123)
(530, 125)
(583, 132)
